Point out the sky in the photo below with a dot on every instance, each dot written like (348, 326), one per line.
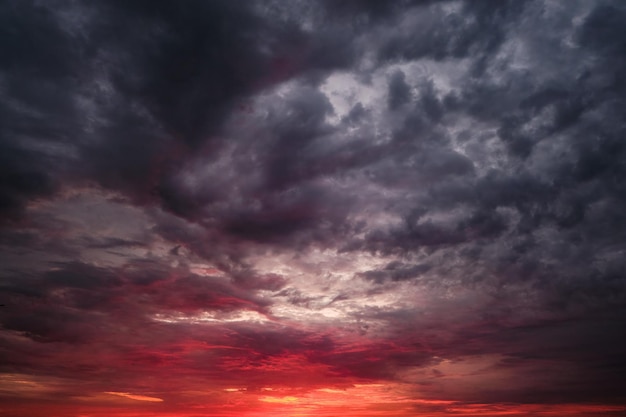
(296, 208)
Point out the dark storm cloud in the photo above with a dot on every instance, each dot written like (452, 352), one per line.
(477, 162)
(562, 196)
(541, 193)
(117, 92)
(477, 29)
(582, 357)
(74, 294)
(396, 271)
(399, 90)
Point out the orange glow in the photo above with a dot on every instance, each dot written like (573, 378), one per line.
(135, 396)
(306, 406)
(349, 400)
(283, 400)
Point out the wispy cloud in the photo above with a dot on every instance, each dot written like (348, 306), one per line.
(135, 396)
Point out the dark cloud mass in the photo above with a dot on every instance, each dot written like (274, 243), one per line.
(312, 207)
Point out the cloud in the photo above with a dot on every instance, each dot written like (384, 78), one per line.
(135, 396)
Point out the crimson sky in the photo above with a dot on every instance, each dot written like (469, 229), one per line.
(300, 208)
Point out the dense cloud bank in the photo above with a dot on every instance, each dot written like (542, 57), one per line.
(328, 193)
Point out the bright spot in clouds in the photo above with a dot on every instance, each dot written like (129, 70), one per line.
(135, 396)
